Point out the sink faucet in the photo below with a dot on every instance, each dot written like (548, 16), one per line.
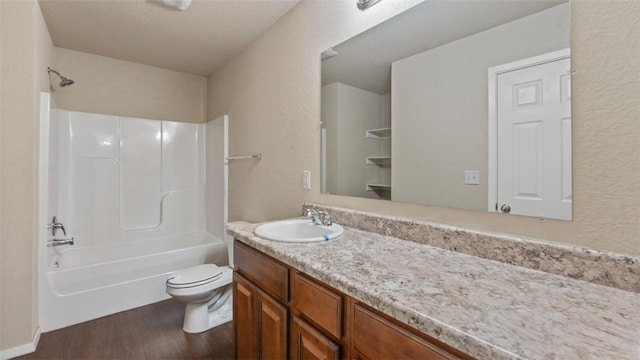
(319, 217)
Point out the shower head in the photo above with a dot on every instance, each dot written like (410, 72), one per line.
(63, 80)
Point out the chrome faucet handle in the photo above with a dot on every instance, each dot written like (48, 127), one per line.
(55, 226)
(314, 215)
(59, 226)
(325, 218)
(319, 217)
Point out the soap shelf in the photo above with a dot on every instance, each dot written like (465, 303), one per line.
(381, 134)
(378, 160)
(378, 187)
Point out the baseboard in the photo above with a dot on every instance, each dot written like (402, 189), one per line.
(25, 349)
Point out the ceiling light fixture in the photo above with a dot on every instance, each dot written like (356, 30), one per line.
(365, 4)
(177, 4)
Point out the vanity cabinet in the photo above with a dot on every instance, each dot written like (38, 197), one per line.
(260, 312)
(282, 313)
(261, 328)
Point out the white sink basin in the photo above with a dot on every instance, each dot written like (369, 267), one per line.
(299, 230)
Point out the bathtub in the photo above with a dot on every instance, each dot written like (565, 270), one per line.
(82, 284)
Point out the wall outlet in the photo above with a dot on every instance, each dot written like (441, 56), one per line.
(472, 177)
(306, 179)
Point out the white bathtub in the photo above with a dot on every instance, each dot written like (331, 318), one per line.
(82, 284)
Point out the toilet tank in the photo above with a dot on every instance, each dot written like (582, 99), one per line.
(228, 239)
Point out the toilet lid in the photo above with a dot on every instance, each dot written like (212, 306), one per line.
(196, 275)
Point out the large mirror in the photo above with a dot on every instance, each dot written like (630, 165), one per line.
(462, 104)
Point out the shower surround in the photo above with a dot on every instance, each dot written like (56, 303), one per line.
(131, 192)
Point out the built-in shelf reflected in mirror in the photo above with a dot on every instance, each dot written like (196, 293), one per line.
(446, 89)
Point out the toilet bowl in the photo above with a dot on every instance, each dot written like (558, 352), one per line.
(206, 289)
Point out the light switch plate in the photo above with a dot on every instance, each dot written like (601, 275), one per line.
(306, 179)
(472, 177)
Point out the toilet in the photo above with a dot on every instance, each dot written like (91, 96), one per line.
(206, 289)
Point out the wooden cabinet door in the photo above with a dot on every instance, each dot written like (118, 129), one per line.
(309, 344)
(244, 329)
(272, 327)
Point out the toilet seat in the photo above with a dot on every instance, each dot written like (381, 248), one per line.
(194, 276)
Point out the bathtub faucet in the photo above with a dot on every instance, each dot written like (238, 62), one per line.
(55, 226)
(59, 242)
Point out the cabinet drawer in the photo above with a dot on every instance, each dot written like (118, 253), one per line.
(264, 271)
(318, 304)
(310, 344)
(378, 338)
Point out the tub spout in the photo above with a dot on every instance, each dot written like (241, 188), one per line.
(59, 242)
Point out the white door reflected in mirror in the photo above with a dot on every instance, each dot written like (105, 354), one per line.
(534, 137)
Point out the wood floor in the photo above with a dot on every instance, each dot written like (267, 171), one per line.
(149, 332)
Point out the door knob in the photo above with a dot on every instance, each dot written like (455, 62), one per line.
(505, 208)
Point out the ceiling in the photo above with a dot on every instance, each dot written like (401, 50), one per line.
(364, 61)
(195, 41)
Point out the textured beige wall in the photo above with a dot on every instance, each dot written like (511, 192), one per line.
(109, 86)
(26, 51)
(272, 93)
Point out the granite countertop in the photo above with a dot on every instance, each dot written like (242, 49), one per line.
(488, 309)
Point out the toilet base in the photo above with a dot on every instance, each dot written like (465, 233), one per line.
(199, 317)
